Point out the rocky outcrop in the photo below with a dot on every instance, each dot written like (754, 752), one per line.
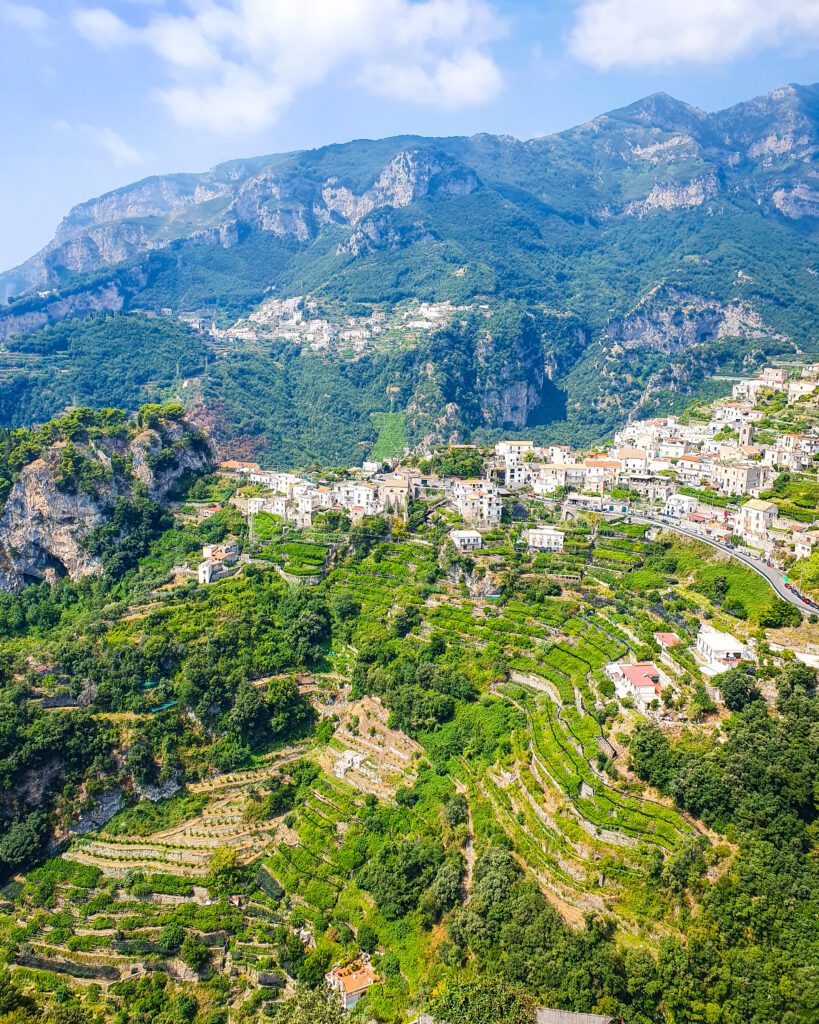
(671, 320)
(674, 196)
(45, 522)
(209, 209)
(106, 297)
(797, 202)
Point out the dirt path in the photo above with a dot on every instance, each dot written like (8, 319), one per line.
(469, 844)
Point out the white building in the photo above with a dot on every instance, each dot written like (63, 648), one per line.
(677, 505)
(755, 518)
(800, 389)
(477, 501)
(352, 981)
(466, 541)
(643, 683)
(543, 538)
(204, 572)
(719, 651)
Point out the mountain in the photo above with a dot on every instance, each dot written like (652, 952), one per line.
(574, 279)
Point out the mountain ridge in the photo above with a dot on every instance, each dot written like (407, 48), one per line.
(693, 235)
(650, 111)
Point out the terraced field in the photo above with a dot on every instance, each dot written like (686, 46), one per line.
(187, 848)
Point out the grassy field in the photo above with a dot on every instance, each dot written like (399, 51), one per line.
(392, 435)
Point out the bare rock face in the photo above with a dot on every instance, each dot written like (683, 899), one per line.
(670, 320)
(158, 460)
(44, 524)
(85, 302)
(42, 527)
(800, 201)
(674, 196)
(510, 383)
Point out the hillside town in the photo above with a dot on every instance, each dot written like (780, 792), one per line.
(721, 475)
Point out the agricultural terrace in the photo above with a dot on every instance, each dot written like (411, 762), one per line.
(420, 708)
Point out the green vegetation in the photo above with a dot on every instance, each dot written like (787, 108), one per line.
(506, 833)
(392, 435)
(107, 360)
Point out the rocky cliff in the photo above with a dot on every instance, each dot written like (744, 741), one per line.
(52, 508)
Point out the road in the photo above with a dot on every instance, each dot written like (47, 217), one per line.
(774, 577)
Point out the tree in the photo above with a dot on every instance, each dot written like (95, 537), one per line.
(486, 1000)
(738, 688)
(367, 938)
(310, 1006)
(172, 936)
(22, 842)
(195, 953)
(780, 614)
(224, 871)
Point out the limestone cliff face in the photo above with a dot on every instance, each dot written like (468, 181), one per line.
(104, 298)
(670, 320)
(42, 527)
(45, 523)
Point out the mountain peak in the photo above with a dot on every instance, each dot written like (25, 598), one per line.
(659, 110)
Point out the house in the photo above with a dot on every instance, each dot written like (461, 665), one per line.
(590, 502)
(466, 541)
(350, 760)
(666, 641)
(739, 477)
(800, 389)
(643, 682)
(204, 572)
(677, 505)
(240, 468)
(352, 981)
(511, 462)
(755, 518)
(543, 538)
(548, 477)
(601, 473)
(634, 460)
(648, 485)
(804, 545)
(477, 501)
(718, 651)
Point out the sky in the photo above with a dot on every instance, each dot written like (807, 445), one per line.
(100, 93)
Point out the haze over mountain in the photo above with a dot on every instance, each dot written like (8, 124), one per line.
(608, 268)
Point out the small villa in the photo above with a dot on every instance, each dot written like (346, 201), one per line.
(352, 981)
(466, 541)
(717, 652)
(643, 683)
(543, 538)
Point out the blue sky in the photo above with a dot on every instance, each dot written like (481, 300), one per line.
(97, 94)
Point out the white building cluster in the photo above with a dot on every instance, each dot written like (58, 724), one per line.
(298, 499)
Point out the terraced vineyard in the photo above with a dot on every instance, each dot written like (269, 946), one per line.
(454, 707)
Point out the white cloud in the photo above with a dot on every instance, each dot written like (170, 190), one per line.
(121, 152)
(653, 33)
(24, 16)
(235, 65)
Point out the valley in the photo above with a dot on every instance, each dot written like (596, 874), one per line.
(475, 285)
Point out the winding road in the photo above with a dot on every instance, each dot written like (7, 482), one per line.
(775, 578)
